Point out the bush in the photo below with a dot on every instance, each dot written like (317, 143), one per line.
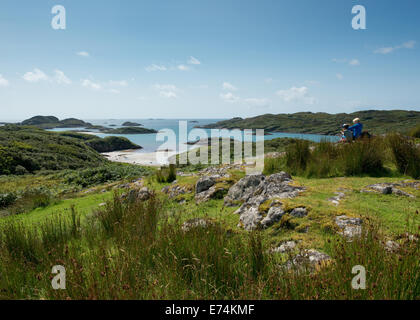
(166, 174)
(415, 132)
(363, 157)
(297, 156)
(406, 155)
(273, 165)
(7, 199)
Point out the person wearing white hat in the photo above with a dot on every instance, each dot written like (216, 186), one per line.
(357, 128)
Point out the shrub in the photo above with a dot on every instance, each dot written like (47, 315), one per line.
(166, 174)
(415, 132)
(273, 165)
(7, 199)
(406, 155)
(363, 157)
(297, 156)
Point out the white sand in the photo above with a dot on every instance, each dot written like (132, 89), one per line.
(141, 158)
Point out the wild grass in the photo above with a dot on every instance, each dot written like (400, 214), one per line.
(166, 174)
(139, 251)
(406, 155)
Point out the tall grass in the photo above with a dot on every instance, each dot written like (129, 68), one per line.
(139, 251)
(166, 174)
(406, 155)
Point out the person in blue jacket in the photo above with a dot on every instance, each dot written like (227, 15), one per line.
(357, 128)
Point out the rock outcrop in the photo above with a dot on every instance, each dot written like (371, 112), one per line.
(308, 259)
(350, 227)
(253, 191)
(391, 188)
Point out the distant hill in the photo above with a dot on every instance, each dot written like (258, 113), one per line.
(374, 121)
(51, 122)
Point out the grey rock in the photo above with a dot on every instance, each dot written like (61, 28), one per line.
(274, 215)
(308, 259)
(392, 246)
(195, 223)
(285, 247)
(336, 199)
(243, 189)
(276, 186)
(299, 212)
(350, 227)
(204, 183)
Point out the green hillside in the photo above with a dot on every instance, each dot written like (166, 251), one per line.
(375, 121)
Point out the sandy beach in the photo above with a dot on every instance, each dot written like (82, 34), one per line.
(154, 159)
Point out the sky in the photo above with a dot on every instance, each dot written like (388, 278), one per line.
(206, 58)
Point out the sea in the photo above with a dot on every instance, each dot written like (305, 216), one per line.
(150, 143)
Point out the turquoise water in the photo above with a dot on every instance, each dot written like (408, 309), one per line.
(150, 144)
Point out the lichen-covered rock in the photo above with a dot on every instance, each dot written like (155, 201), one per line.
(174, 191)
(213, 192)
(243, 189)
(308, 259)
(204, 183)
(350, 227)
(392, 246)
(144, 194)
(336, 199)
(195, 223)
(285, 247)
(274, 215)
(390, 188)
(255, 190)
(299, 212)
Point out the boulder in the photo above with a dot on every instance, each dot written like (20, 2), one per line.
(299, 212)
(350, 227)
(243, 189)
(213, 192)
(390, 188)
(195, 223)
(204, 183)
(285, 247)
(308, 259)
(276, 186)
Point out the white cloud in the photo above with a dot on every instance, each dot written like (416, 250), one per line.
(193, 60)
(354, 62)
(3, 82)
(258, 103)
(406, 45)
(121, 83)
(90, 84)
(296, 94)
(183, 67)
(35, 76)
(229, 97)
(155, 67)
(168, 94)
(115, 91)
(83, 54)
(228, 86)
(167, 90)
(339, 76)
(60, 77)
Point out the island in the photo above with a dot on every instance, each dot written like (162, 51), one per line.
(131, 124)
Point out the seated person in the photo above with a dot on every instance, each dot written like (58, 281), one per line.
(347, 135)
(356, 128)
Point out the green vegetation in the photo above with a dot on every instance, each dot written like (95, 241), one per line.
(166, 174)
(139, 251)
(375, 121)
(115, 246)
(131, 124)
(129, 130)
(372, 157)
(28, 149)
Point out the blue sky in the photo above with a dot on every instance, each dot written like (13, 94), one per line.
(206, 59)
